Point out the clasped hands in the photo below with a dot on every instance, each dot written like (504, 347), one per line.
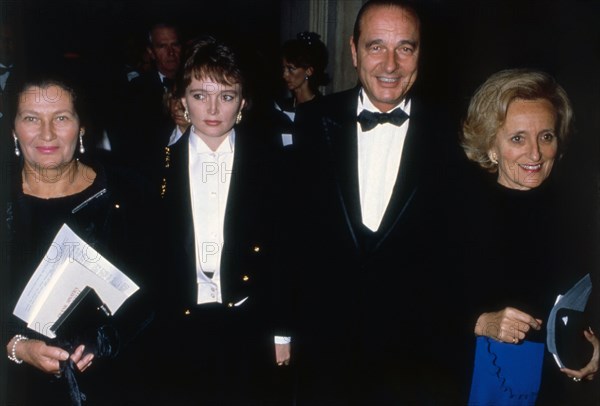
(511, 325)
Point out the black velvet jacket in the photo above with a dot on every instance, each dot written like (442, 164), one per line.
(111, 215)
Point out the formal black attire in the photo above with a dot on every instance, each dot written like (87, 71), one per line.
(220, 353)
(113, 222)
(515, 248)
(282, 120)
(368, 306)
(144, 131)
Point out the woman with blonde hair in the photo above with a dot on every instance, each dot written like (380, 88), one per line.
(517, 127)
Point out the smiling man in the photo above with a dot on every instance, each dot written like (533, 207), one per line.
(385, 52)
(368, 186)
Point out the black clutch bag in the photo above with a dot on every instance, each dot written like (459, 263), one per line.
(86, 321)
(573, 349)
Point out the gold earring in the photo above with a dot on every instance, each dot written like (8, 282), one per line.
(238, 119)
(186, 116)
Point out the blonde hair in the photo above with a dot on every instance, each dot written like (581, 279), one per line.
(489, 105)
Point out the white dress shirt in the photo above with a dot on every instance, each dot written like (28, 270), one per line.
(379, 154)
(210, 176)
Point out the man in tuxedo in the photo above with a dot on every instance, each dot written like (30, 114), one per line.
(147, 124)
(366, 246)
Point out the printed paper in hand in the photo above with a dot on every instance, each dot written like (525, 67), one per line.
(69, 265)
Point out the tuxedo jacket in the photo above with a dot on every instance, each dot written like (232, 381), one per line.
(144, 129)
(377, 295)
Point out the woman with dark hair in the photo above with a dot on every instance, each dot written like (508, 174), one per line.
(517, 127)
(220, 203)
(304, 61)
(52, 185)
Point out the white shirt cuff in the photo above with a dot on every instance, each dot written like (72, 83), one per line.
(282, 340)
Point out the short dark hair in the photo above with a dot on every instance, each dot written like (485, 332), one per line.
(406, 5)
(211, 58)
(308, 51)
(162, 24)
(44, 80)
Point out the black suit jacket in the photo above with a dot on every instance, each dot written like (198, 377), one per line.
(232, 345)
(378, 296)
(250, 221)
(143, 131)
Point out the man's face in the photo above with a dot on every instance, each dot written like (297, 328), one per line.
(387, 54)
(165, 50)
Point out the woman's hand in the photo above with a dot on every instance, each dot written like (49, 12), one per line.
(509, 325)
(46, 357)
(82, 362)
(283, 354)
(40, 355)
(589, 371)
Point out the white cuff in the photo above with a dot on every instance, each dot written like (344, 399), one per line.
(282, 340)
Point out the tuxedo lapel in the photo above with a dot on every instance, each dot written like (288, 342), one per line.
(182, 193)
(405, 187)
(340, 134)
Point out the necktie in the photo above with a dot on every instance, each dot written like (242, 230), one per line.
(369, 119)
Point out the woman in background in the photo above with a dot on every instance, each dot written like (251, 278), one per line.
(304, 61)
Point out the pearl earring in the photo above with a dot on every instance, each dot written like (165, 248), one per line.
(17, 150)
(81, 147)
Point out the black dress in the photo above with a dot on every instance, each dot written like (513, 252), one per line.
(516, 251)
(112, 222)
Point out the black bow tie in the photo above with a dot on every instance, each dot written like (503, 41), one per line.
(369, 119)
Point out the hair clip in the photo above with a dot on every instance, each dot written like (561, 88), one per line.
(308, 37)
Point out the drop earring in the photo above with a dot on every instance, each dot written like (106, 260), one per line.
(186, 116)
(17, 150)
(306, 77)
(238, 119)
(81, 147)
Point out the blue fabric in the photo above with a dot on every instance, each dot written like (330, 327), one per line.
(506, 374)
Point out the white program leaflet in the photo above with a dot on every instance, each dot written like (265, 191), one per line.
(67, 268)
